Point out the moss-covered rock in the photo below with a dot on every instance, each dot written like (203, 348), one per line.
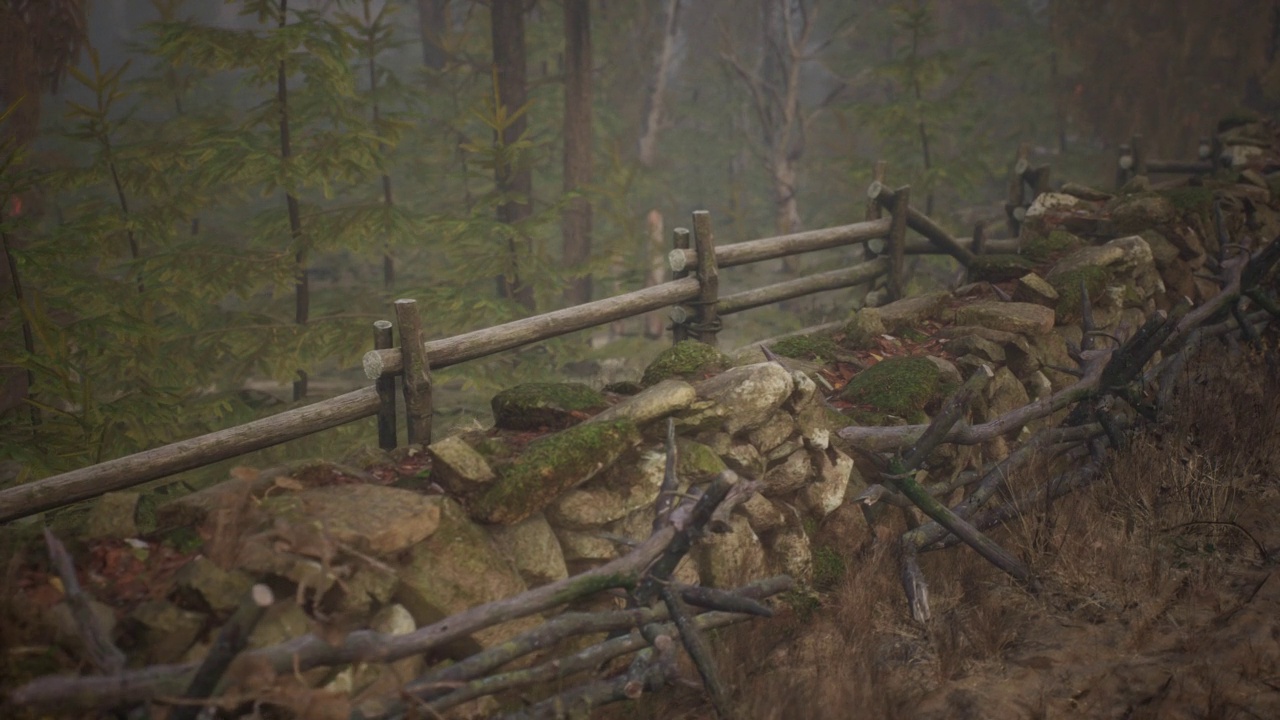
(1068, 285)
(531, 406)
(1192, 203)
(687, 359)
(896, 386)
(1041, 248)
(819, 347)
(1141, 211)
(999, 267)
(551, 465)
(696, 462)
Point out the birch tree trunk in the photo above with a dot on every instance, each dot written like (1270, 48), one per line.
(653, 120)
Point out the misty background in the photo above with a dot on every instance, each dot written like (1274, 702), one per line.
(202, 199)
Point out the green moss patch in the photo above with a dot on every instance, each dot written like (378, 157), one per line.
(1040, 248)
(551, 465)
(537, 405)
(696, 462)
(686, 359)
(1068, 286)
(999, 267)
(897, 386)
(807, 347)
(828, 568)
(1192, 202)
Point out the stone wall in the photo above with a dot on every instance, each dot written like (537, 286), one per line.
(568, 476)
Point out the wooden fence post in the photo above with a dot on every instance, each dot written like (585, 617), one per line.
(1139, 155)
(705, 317)
(979, 244)
(1124, 164)
(386, 386)
(679, 330)
(877, 176)
(417, 373)
(1017, 197)
(899, 210)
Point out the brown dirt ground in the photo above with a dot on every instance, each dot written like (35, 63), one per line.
(1161, 596)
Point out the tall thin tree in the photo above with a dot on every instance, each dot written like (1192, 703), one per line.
(576, 217)
(511, 173)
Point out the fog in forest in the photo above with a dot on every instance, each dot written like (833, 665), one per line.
(201, 200)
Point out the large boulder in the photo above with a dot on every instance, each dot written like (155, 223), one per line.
(687, 359)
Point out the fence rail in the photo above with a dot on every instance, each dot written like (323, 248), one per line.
(695, 284)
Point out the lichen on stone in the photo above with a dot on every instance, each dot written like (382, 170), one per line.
(686, 359)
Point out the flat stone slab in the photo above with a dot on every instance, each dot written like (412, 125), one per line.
(374, 519)
(1011, 317)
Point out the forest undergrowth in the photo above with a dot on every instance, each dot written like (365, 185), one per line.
(1158, 593)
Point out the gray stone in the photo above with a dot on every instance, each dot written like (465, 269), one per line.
(762, 513)
(624, 488)
(533, 549)
(458, 567)
(827, 491)
(1133, 213)
(947, 371)
(773, 432)
(976, 345)
(744, 459)
(1120, 255)
(653, 403)
(581, 548)
(748, 395)
(906, 312)
(219, 589)
(169, 630)
(1010, 317)
(459, 468)
(1046, 203)
(1004, 393)
(789, 552)
(374, 519)
(727, 560)
(1031, 288)
(790, 475)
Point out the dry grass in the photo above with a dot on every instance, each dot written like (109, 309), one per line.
(1147, 546)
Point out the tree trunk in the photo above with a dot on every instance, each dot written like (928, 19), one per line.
(433, 24)
(576, 218)
(513, 178)
(652, 121)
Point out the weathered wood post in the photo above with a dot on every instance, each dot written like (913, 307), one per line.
(1040, 179)
(1017, 197)
(705, 317)
(979, 244)
(417, 373)
(877, 176)
(898, 202)
(1139, 155)
(1124, 164)
(386, 387)
(679, 330)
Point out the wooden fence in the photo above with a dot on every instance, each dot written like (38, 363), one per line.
(693, 292)
(1132, 161)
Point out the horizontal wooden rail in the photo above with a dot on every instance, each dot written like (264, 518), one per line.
(831, 280)
(771, 248)
(480, 343)
(58, 490)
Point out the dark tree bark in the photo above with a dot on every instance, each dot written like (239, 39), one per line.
(576, 218)
(514, 178)
(433, 23)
